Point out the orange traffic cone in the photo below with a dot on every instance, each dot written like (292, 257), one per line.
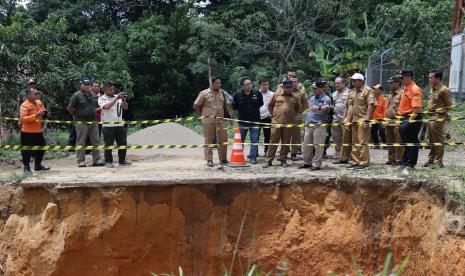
(237, 153)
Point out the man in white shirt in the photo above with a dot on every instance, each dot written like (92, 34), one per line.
(112, 111)
(265, 116)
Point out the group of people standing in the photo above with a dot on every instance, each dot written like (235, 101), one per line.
(345, 116)
(88, 107)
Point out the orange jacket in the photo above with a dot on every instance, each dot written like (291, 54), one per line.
(27, 112)
(410, 99)
(381, 107)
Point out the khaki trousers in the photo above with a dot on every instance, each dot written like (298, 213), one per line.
(346, 139)
(209, 132)
(83, 131)
(395, 154)
(436, 134)
(314, 136)
(361, 135)
(282, 135)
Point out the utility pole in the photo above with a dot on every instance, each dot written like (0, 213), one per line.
(457, 56)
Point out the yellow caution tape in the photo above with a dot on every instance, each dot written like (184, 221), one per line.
(159, 121)
(145, 147)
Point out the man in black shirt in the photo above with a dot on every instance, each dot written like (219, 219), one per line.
(248, 102)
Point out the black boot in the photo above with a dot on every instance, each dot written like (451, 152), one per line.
(284, 164)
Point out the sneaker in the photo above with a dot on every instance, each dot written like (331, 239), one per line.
(210, 163)
(339, 162)
(294, 157)
(253, 161)
(284, 164)
(405, 171)
(438, 166)
(81, 164)
(41, 168)
(225, 161)
(361, 167)
(315, 169)
(98, 164)
(351, 167)
(268, 164)
(125, 163)
(27, 170)
(305, 166)
(109, 165)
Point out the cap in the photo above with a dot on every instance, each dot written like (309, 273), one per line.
(358, 76)
(288, 83)
(320, 83)
(378, 86)
(314, 85)
(395, 78)
(32, 81)
(85, 80)
(406, 72)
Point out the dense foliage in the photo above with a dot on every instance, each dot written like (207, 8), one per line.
(157, 50)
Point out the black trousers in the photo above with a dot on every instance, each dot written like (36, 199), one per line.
(32, 139)
(409, 134)
(112, 134)
(377, 131)
(266, 132)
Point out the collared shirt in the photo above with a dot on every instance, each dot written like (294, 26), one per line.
(85, 106)
(299, 93)
(440, 100)
(360, 100)
(264, 111)
(381, 107)
(283, 108)
(411, 98)
(319, 116)
(248, 106)
(113, 114)
(28, 111)
(393, 103)
(339, 100)
(210, 104)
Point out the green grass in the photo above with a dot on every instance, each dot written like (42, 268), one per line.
(52, 137)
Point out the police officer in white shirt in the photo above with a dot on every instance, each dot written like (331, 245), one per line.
(265, 116)
(112, 111)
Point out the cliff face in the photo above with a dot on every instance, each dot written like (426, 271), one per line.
(315, 226)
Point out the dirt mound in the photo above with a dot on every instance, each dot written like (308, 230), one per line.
(166, 134)
(314, 226)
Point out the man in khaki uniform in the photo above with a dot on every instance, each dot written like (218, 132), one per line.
(300, 93)
(212, 102)
(283, 109)
(362, 102)
(395, 154)
(439, 103)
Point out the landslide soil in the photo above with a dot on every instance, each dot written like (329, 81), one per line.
(314, 224)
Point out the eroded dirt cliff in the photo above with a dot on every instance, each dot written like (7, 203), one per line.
(315, 225)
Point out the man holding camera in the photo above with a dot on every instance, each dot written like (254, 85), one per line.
(82, 106)
(112, 111)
